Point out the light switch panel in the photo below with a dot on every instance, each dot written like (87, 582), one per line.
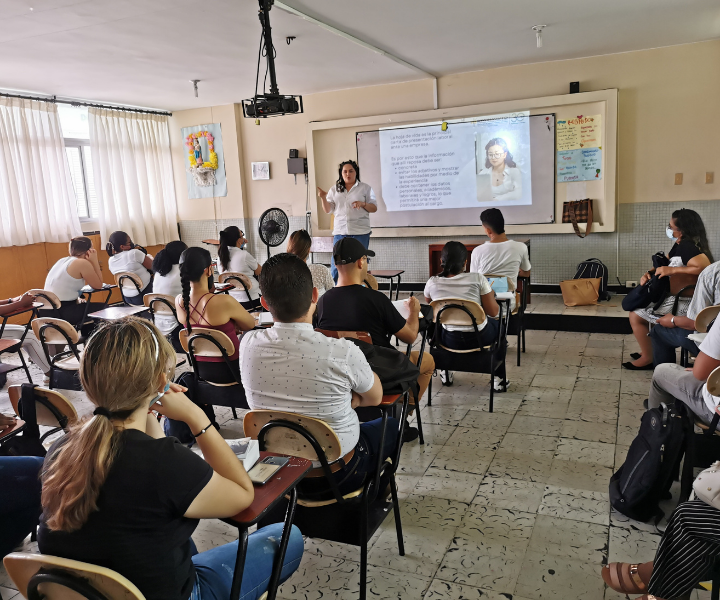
(678, 178)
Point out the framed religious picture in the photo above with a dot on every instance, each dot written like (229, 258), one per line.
(261, 170)
(205, 166)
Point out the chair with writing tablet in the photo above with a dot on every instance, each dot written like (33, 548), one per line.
(322, 511)
(488, 359)
(703, 321)
(55, 334)
(162, 307)
(242, 282)
(128, 280)
(50, 302)
(518, 313)
(213, 343)
(52, 409)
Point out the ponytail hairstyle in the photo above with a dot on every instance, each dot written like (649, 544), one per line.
(168, 257)
(193, 263)
(117, 239)
(228, 239)
(120, 370)
(340, 183)
(299, 244)
(79, 246)
(692, 228)
(453, 258)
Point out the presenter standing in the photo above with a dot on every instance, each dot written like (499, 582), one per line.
(351, 201)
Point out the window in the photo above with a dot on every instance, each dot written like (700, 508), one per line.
(76, 131)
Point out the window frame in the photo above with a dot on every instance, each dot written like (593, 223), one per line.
(79, 143)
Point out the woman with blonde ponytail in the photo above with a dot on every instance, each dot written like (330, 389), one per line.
(119, 494)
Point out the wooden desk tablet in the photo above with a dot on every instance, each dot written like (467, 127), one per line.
(284, 482)
(112, 313)
(9, 432)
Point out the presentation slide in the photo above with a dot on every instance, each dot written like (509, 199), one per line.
(482, 162)
(426, 175)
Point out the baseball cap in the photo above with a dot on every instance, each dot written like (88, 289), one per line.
(348, 250)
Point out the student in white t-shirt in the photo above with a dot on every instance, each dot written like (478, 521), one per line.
(125, 256)
(299, 244)
(453, 282)
(671, 382)
(167, 282)
(233, 257)
(499, 256)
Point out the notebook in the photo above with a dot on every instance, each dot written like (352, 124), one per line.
(246, 449)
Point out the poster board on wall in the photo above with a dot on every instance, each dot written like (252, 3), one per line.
(204, 161)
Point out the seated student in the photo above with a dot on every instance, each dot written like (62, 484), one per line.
(353, 307)
(454, 283)
(167, 282)
(69, 275)
(684, 557)
(125, 256)
(119, 494)
(299, 244)
(31, 344)
(198, 306)
(232, 256)
(499, 255)
(290, 367)
(671, 382)
(671, 332)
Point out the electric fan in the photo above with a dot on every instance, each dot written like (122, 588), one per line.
(274, 227)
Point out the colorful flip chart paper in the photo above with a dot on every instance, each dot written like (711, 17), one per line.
(579, 132)
(567, 136)
(583, 164)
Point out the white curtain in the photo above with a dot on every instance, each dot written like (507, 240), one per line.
(132, 168)
(37, 199)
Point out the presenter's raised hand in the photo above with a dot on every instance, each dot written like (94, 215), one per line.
(358, 204)
(322, 193)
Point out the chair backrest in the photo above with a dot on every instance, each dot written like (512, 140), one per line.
(713, 382)
(705, 317)
(283, 440)
(358, 335)
(456, 316)
(204, 347)
(160, 304)
(371, 282)
(128, 279)
(44, 415)
(48, 299)
(58, 574)
(50, 331)
(237, 280)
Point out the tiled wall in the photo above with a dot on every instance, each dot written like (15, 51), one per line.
(554, 257)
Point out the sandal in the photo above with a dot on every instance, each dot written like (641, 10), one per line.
(623, 578)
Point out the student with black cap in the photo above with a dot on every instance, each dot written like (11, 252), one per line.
(351, 306)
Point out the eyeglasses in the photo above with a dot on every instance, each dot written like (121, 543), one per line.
(496, 154)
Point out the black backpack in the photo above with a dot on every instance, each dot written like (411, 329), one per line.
(654, 291)
(395, 370)
(593, 268)
(652, 462)
(29, 443)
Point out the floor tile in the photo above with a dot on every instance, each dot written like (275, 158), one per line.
(471, 437)
(631, 545)
(606, 362)
(536, 426)
(465, 460)
(9, 593)
(577, 475)
(611, 386)
(554, 381)
(445, 590)
(591, 432)
(595, 453)
(545, 577)
(627, 433)
(512, 494)
(322, 577)
(387, 584)
(569, 539)
(551, 410)
(599, 373)
(575, 504)
(443, 415)
(547, 395)
(613, 352)
(451, 485)
(592, 412)
(557, 369)
(486, 420)
(525, 467)
(536, 445)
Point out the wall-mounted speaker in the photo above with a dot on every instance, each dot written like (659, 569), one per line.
(574, 87)
(293, 153)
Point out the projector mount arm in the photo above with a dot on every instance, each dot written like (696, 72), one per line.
(264, 16)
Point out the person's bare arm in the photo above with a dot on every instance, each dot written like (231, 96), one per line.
(409, 332)
(257, 271)
(18, 303)
(372, 397)
(490, 305)
(522, 273)
(328, 206)
(91, 272)
(237, 314)
(368, 206)
(147, 262)
(681, 322)
(704, 365)
(695, 266)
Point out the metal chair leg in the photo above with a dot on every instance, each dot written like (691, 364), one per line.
(492, 381)
(429, 392)
(363, 549)
(396, 510)
(25, 367)
(419, 422)
(518, 345)
(234, 413)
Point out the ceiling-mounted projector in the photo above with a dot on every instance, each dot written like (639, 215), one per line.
(271, 104)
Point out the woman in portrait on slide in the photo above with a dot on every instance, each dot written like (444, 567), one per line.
(351, 201)
(505, 177)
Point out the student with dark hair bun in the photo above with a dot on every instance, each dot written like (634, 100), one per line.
(232, 256)
(126, 256)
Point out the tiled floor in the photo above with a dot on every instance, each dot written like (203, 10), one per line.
(511, 504)
(552, 304)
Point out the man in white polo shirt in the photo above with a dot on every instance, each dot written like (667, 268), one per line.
(291, 367)
(672, 382)
(499, 256)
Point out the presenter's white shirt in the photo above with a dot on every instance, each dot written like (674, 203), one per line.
(711, 346)
(130, 260)
(502, 258)
(349, 220)
(511, 186)
(292, 368)
(463, 286)
(241, 261)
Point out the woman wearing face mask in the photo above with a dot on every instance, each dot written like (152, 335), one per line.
(689, 255)
(125, 256)
(505, 178)
(232, 256)
(351, 201)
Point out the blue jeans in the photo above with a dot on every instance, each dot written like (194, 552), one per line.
(364, 239)
(666, 339)
(214, 568)
(19, 499)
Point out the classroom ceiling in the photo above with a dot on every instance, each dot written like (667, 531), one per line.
(144, 52)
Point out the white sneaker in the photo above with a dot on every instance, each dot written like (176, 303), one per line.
(498, 384)
(446, 377)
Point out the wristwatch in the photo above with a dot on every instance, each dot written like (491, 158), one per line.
(672, 320)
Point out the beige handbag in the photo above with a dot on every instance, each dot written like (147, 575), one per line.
(707, 485)
(580, 292)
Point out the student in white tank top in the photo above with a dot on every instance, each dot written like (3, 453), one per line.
(233, 257)
(167, 282)
(125, 256)
(69, 275)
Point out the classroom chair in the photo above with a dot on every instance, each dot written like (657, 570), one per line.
(52, 409)
(44, 577)
(64, 364)
(703, 321)
(50, 302)
(14, 345)
(127, 278)
(517, 316)
(349, 519)
(488, 359)
(213, 343)
(164, 306)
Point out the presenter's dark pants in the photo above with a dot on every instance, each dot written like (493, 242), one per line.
(364, 240)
